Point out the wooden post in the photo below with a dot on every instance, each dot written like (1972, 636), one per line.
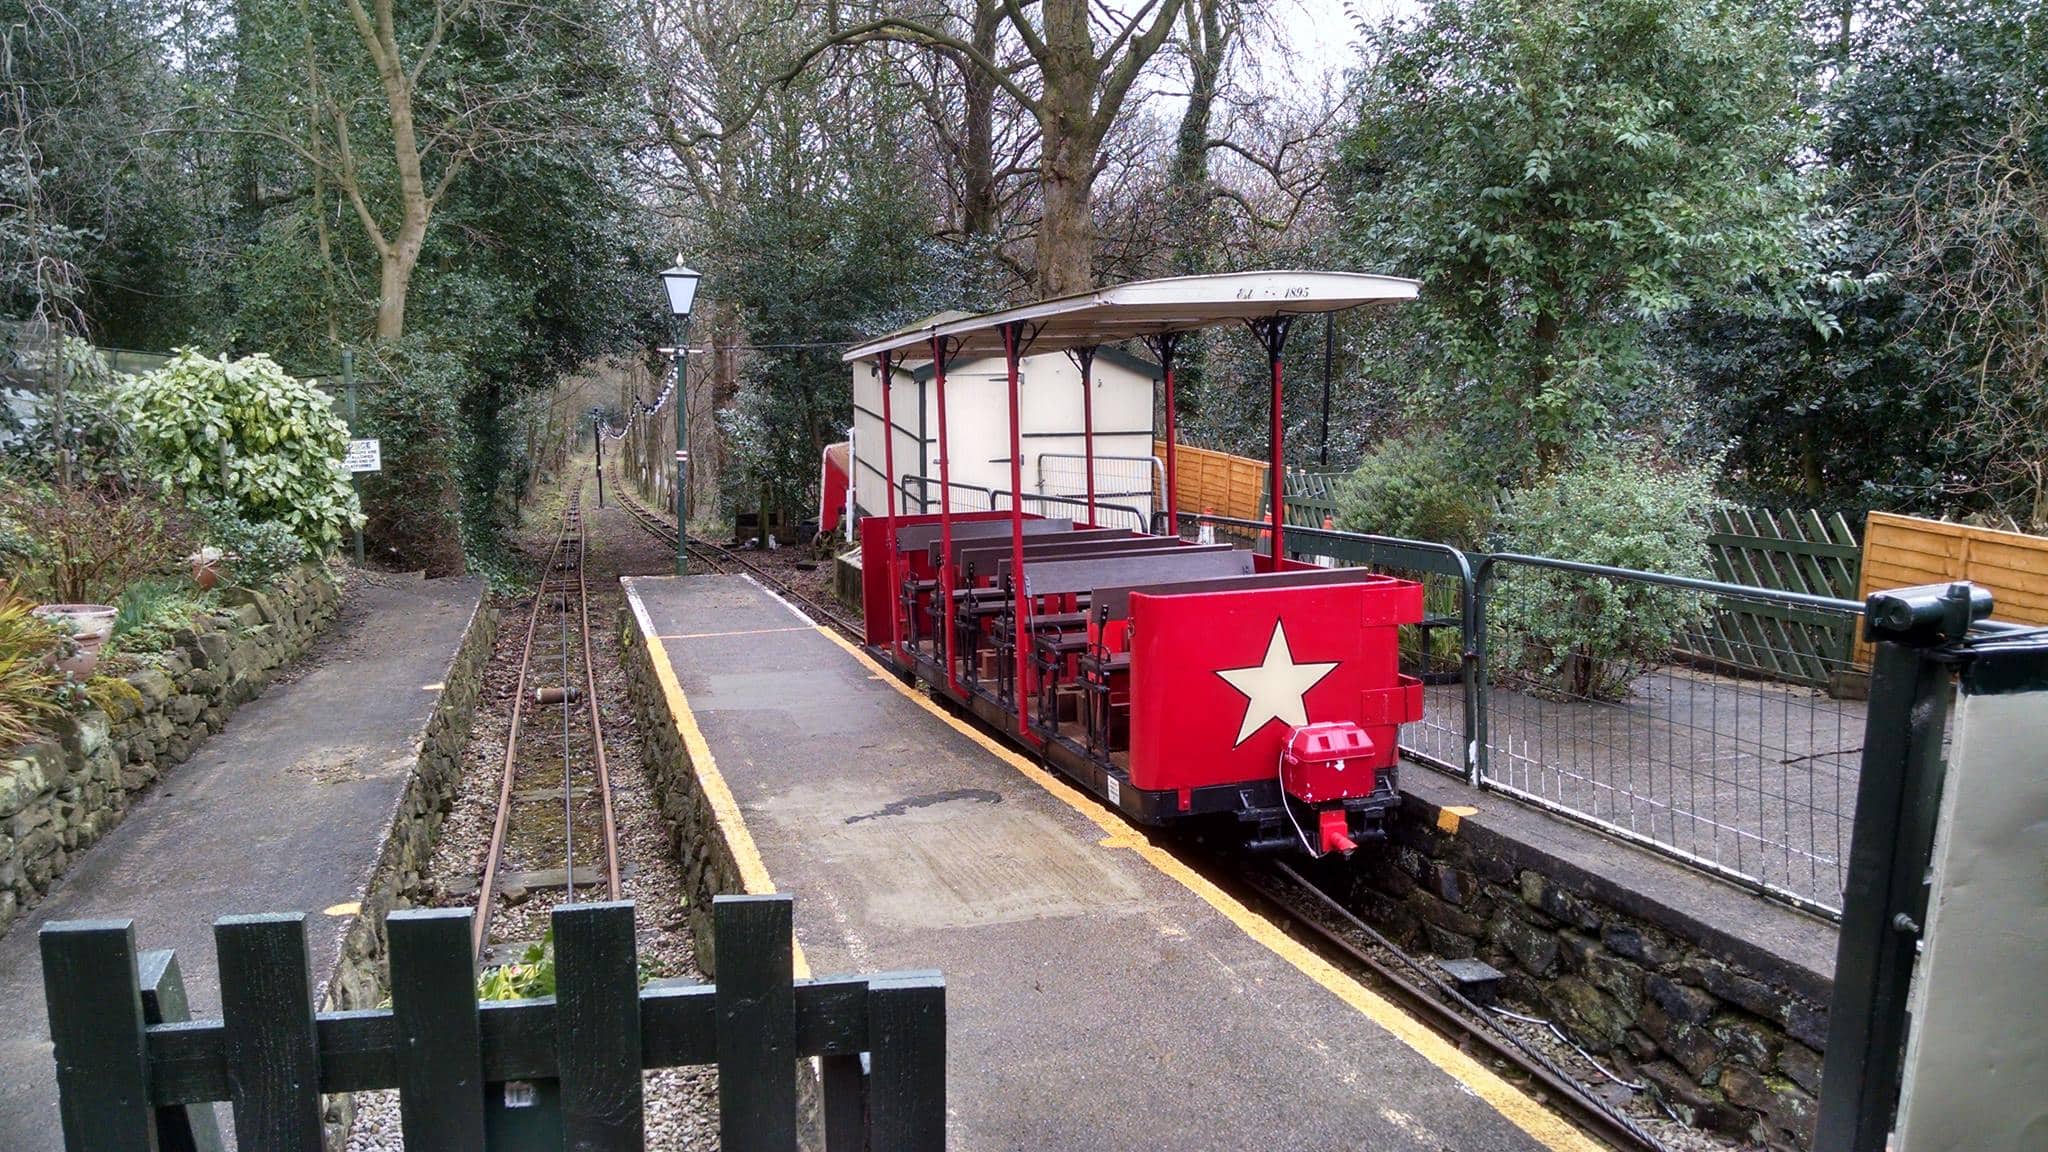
(597, 1027)
(756, 1023)
(94, 997)
(844, 1085)
(907, 1036)
(273, 1055)
(440, 1046)
(179, 1127)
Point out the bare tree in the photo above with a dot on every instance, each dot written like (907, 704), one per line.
(1977, 225)
(1087, 56)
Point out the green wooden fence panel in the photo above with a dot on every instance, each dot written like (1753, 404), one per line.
(186, 1127)
(96, 1031)
(756, 1024)
(440, 1043)
(597, 1001)
(907, 1016)
(266, 997)
(1787, 550)
(124, 1050)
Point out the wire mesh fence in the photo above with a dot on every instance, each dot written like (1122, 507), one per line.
(1131, 480)
(1602, 702)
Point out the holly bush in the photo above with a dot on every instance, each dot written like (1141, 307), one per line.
(247, 432)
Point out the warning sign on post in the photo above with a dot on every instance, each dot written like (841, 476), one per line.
(364, 456)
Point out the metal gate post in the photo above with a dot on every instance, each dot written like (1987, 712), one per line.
(1898, 799)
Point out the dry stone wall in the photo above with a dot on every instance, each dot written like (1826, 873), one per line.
(59, 796)
(362, 975)
(1732, 1048)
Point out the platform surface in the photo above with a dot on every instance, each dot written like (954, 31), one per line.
(285, 810)
(1095, 999)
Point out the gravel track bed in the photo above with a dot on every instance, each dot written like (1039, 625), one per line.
(682, 1104)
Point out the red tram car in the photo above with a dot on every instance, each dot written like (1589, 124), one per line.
(1177, 679)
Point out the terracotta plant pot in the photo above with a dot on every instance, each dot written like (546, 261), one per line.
(88, 626)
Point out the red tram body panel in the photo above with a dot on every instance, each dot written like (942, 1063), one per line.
(1219, 680)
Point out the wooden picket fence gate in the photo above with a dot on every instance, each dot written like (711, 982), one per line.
(1788, 551)
(559, 1071)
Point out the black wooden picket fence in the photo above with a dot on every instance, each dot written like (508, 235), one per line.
(562, 1071)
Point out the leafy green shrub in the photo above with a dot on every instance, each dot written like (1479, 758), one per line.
(253, 552)
(28, 685)
(532, 975)
(1614, 504)
(243, 430)
(150, 612)
(1420, 486)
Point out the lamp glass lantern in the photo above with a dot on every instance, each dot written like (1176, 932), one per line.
(681, 284)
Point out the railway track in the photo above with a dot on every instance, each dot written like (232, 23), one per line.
(1313, 913)
(731, 560)
(1354, 944)
(557, 678)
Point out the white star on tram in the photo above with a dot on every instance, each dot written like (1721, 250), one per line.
(1274, 688)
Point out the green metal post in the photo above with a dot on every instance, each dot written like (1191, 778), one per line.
(682, 451)
(348, 385)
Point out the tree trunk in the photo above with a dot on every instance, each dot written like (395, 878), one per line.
(1068, 142)
(978, 208)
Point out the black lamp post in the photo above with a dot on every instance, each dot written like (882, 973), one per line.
(681, 284)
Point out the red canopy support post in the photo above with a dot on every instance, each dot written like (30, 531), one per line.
(1084, 359)
(886, 362)
(1272, 332)
(1020, 652)
(945, 582)
(1163, 346)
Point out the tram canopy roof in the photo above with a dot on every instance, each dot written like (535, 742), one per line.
(1143, 308)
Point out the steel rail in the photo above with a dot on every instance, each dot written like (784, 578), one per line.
(559, 588)
(1451, 1012)
(725, 559)
(604, 778)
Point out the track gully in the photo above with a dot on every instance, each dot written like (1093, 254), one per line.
(557, 678)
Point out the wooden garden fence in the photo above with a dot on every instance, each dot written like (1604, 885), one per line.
(1901, 551)
(1784, 550)
(1216, 482)
(558, 1071)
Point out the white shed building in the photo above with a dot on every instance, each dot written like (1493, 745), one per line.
(978, 422)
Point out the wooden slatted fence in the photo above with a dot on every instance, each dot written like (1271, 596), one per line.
(1217, 482)
(1901, 551)
(560, 1071)
(1789, 551)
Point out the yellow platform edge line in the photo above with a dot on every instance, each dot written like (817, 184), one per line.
(725, 809)
(1516, 1106)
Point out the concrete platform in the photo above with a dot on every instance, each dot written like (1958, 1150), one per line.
(285, 810)
(1100, 995)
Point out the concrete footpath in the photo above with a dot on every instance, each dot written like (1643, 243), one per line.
(285, 810)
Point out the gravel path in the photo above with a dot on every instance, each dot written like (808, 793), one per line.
(682, 1110)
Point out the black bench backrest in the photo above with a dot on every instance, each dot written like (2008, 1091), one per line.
(978, 548)
(1115, 603)
(916, 537)
(1053, 577)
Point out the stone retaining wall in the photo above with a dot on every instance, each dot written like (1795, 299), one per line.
(1731, 1048)
(709, 866)
(361, 977)
(59, 796)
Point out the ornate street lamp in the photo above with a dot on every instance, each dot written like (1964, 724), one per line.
(681, 284)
